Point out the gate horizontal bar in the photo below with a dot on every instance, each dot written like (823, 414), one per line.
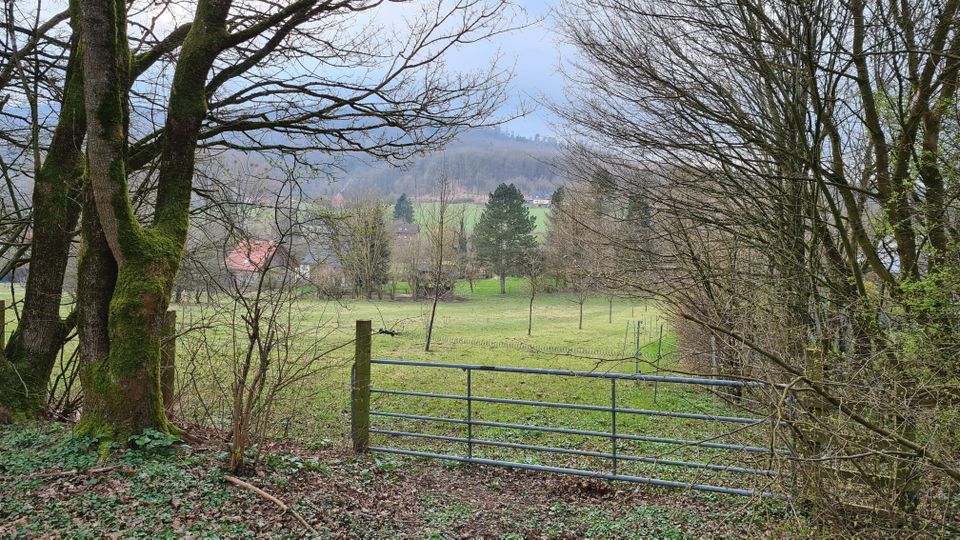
(572, 373)
(576, 452)
(602, 408)
(621, 436)
(579, 472)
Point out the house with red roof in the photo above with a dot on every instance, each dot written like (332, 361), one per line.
(257, 255)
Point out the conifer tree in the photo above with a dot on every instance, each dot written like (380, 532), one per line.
(403, 210)
(504, 232)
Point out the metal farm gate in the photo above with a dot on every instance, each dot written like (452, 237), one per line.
(613, 454)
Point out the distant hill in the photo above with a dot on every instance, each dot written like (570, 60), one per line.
(476, 163)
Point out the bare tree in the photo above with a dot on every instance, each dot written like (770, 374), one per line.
(468, 267)
(578, 253)
(54, 162)
(796, 159)
(534, 271)
(439, 229)
(360, 238)
(250, 348)
(408, 257)
(153, 94)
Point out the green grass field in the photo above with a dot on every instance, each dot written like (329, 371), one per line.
(489, 329)
(471, 213)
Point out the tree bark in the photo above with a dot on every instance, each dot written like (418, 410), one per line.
(121, 373)
(30, 355)
(503, 282)
(98, 272)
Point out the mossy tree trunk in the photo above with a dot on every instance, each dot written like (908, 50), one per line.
(122, 321)
(31, 353)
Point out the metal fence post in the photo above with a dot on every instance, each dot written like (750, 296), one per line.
(168, 359)
(714, 366)
(360, 391)
(659, 356)
(469, 413)
(613, 422)
(636, 350)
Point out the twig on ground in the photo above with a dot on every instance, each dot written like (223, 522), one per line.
(237, 482)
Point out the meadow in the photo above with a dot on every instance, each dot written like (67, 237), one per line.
(486, 328)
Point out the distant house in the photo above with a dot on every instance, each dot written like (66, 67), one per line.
(307, 264)
(405, 231)
(540, 200)
(255, 255)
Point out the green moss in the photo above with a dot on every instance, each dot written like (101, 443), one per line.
(125, 387)
(24, 379)
(95, 426)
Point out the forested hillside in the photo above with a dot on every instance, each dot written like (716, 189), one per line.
(476, 163)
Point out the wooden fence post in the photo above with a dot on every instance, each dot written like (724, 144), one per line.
(168, 360)
(360, 391)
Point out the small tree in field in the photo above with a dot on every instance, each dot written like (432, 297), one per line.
(504, 232)
(440, 233)
(403, 210)
(533, 267)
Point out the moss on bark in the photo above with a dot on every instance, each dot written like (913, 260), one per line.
(121, 380)
(30, 355)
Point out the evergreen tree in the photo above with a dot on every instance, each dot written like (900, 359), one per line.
(403, 210)
(558, 194)
(504, 232)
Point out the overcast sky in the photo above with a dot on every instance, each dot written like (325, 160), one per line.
(536, 53)
(533, 51)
